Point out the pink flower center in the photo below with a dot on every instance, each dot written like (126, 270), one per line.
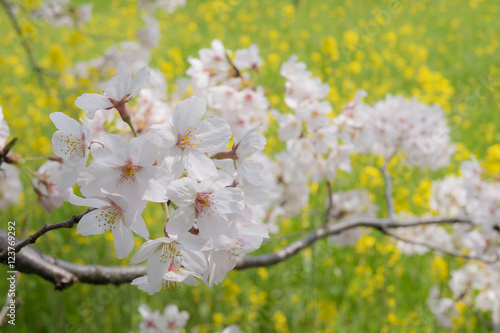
(204, 204)
(128, 172)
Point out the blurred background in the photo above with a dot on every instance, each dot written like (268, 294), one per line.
(440, 51)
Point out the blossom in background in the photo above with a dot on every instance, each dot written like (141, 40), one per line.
(10, 182)
(444, 309)
(397, 125)
(117, 92)
(211, 68)
(61, 12)
(46, 187)
(170, 321)
(4, 130)
(149, 35)
(168, 6)
(10, 185)
(248, 58)
(243, 149)
(232, 329)
(71, 143)
(227, 86)
(449, 196)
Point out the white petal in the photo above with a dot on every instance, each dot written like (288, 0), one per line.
(188, 113)
(65, 123)
(87, 202)
(212, 226)
(251, 145)
(157, 266)
(139, 227)
(119, 148)
(181, 220)
(67, 177)
(199, 165)
(146, 251)
(182, 192)
(229, 200)
(123, 240)
(194, 261)
(90, 103)
(143, 151)
(212, 135)
(89, 224)
(192, 242)
(140, 81)
(153, 183)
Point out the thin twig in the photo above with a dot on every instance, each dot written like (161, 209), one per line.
(43, 230)
(438, 248)
(334, 229)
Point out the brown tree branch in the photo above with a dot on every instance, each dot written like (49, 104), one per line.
(63, 273)
(31, 261)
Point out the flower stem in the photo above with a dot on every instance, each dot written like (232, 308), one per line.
(132, 128)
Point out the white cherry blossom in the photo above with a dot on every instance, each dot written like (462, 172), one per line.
(46, 187)
(71, 142)
(127, 169)
(117, 92)
(190, 140)
(173, 250)
(114, 213)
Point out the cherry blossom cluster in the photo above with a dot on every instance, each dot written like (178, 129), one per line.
(476, 285)
(396, 125)
(314, 151)
(170, 321)
(477, 199)
(62, 13)
(204, 189)
(10, 182)
(224, 79)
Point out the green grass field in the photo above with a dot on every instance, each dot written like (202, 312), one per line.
(440, 51)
